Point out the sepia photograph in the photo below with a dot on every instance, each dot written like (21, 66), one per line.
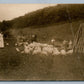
(41, 42)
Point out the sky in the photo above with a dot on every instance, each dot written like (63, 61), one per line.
(10, 11)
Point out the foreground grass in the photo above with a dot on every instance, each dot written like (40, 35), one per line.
(16, 66)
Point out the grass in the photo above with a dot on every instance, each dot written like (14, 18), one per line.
(16, 66)
(46, 33)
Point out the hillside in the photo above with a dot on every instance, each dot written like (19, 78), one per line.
(51, 15)
(45, 34)
(42, 18)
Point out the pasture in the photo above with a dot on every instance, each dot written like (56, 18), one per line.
(21, 66)
(16, 66)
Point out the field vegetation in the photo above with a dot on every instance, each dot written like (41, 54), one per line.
(47, 23)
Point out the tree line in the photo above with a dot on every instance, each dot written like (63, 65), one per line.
(46, 16)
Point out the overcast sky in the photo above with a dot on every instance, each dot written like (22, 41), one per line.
(10, 11)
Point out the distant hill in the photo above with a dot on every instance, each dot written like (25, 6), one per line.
(59, 14)
(50, 15)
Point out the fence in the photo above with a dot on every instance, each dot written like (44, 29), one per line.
(78, 44)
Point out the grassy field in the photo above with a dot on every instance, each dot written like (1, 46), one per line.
(46, 33)
(17, 66)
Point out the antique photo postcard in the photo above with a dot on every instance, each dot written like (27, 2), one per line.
(41, 42)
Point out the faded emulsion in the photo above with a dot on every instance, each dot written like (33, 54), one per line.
(41, 42)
